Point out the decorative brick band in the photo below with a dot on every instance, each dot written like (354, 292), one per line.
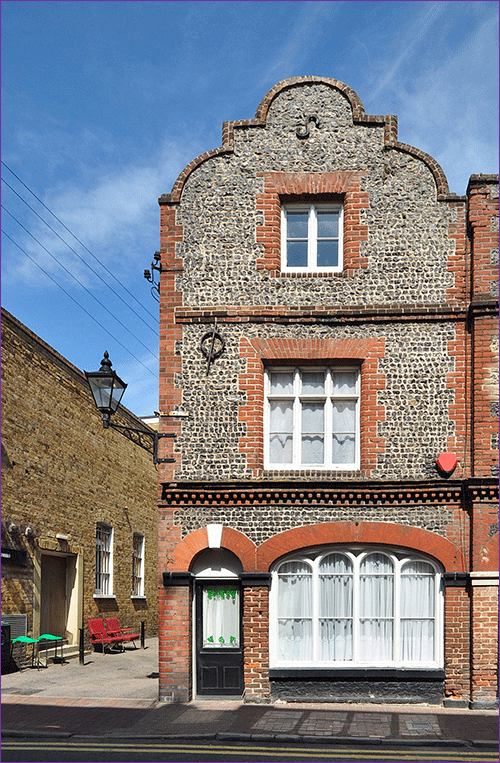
(301, 493)
(334, 315)
(258, 352)
(344, 186)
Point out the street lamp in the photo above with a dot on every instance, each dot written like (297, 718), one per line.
(107, 390)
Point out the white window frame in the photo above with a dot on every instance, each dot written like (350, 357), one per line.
(329, 398)
(138, 566)
(104, 561)
(356, 555)
(312, 237)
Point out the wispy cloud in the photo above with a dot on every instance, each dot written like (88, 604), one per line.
(114, 214)
(414, 33)
(301, 40)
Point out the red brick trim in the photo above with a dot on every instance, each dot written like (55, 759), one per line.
(170, 363)
(388, 122)
(258, 352)
(489, 556)
(363, 532)
(189, 547)
(197, 541)
(458, 409)
(344, 185)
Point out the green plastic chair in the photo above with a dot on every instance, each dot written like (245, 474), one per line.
(27, 640)
(49, 637)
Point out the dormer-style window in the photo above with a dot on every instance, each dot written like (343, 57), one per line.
(311, 238)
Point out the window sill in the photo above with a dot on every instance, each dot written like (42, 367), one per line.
(141, 598)
(437, 674)
(104, 596)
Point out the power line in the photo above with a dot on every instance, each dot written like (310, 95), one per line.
(79, 282)
(77, 303)
(77, 255)
(76, 238)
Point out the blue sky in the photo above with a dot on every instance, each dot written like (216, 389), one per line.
(104, 103)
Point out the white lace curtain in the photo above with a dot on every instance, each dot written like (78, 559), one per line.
(377, 617)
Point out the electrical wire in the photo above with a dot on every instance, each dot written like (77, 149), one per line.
(79, 282)
(77, 303)
(76, 238)
(77, 255)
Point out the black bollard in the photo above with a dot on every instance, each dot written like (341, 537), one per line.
(143, 623)
(81, 647)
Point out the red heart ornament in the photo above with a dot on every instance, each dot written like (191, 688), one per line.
(447, 462)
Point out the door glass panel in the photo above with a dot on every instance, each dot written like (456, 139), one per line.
(221, 616)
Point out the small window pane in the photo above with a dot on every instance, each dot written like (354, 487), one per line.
(295, 593)
(281, 383)
(343, 449)
(328, 224)
(296, 254)
(327, 254)
(281, 416)
(297, 224)
(417, 637)
(313, 383)
(295, 640)
(281, 449)
(344, 417)
(312, 433)
(221, 616)
(335, 640)
(376, 641)
(344, 383)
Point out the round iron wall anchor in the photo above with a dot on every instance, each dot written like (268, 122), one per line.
(212, 346)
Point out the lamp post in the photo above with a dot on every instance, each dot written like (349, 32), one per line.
(107, 390)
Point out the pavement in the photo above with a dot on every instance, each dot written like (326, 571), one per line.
(115, 695)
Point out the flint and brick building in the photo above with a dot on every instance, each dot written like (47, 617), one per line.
(79, 519)
(328, 362)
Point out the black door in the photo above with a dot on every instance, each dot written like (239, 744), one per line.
(219, 647)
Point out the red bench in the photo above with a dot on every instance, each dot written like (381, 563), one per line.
(125, 634)
(98, 634)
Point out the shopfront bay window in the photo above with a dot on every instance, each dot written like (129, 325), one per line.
(356, 608)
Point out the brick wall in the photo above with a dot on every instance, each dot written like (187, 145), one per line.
(414, 258)
(62, 473)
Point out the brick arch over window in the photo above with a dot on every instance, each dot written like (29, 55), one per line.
(197, 541)
(344, 185)
(376, 533)
(258, 352)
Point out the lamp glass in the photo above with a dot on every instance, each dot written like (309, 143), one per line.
(106, 386)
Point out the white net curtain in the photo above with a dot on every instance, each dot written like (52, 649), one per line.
(311, 418)
(359, 607)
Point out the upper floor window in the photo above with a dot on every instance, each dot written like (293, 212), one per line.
(138, 565)
(104, 560)
(356, 607)
(311, 238)
(312, 418)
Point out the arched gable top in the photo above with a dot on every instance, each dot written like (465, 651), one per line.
(358, 111)
(389, 122)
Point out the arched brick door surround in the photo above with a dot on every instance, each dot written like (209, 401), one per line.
(329, 533)
(188, 549)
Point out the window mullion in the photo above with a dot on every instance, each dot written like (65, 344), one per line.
(396, 609)
(355, 610)
(297, 426)
(312, 230)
